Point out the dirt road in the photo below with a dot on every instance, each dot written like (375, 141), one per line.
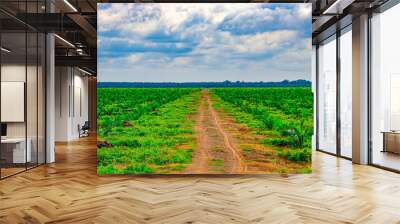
(215, 152)
(224, 146)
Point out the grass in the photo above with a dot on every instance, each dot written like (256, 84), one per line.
(280, 140)
(304, 170)
(247, 150)
(217, 149)
(152, 130)
(216, 162)
(157, 142)
(285, 114)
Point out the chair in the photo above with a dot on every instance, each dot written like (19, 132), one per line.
(84, 130)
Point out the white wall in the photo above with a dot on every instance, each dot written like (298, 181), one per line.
(16, 73)
(13, 101)
(70, 84)
(62, 82)
(80, 110)
(33, 127)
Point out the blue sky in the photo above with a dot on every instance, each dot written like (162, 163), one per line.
(142, 42)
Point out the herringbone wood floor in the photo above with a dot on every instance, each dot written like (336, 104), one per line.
(69, 191)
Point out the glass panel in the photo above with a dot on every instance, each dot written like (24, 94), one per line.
(314, 80)
(327, 96)
(346, 94)
(31, 98)
(13, 86)
(32, 89)
(385, 84)
(41, 99)
(23, 87)
(2, 161)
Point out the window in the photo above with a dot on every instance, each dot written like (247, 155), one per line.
(385, 89)
(22, 88)
(346, 93)
(327, 96)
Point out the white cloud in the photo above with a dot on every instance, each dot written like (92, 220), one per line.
(169, 17)
(144, 28)
(175, 37)
(262, 42)
(304, 11)
(182, 61)
(112, 16)
(133, 58)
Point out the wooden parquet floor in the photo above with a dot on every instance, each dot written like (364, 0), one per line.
(69, 191)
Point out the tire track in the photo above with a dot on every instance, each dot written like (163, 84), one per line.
(201, 155)
(239, 166)
(215, 153)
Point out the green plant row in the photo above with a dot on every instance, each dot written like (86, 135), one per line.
(288, 122)
(294, 101)
(116, 107)
(160, 141)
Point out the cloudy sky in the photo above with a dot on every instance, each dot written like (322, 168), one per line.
(142, 42)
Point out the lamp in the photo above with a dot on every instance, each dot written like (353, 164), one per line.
(64, 40)
(5, 50)
(84, 71)
(70, 5)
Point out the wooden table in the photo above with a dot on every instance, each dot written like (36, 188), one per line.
(13, 150)
(391, 141)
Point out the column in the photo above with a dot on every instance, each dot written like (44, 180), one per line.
(360, 90)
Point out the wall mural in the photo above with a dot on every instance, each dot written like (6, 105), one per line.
(204, 88)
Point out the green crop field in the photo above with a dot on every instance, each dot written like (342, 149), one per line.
(153, 130)
(283, 115)
(145, 127)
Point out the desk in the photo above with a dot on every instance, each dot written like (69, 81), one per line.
(13, 150)
(391, 141)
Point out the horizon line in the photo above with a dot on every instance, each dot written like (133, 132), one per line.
(211, 81)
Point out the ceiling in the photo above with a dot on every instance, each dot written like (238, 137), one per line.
(75, 22)
(331, 15)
